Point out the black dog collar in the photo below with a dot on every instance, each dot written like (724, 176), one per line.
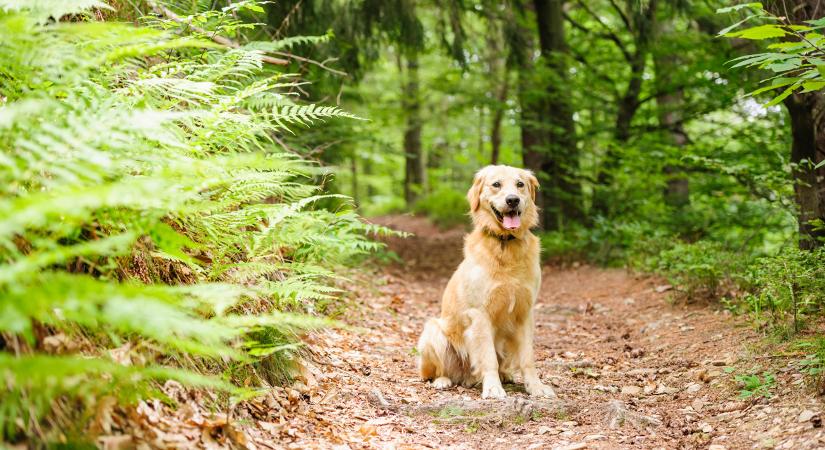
(503, 238)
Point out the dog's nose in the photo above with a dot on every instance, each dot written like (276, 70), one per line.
(512, 200)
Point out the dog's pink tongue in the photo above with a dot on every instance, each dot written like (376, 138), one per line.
(511, 222)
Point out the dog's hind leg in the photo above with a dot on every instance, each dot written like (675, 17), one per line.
(434, 355)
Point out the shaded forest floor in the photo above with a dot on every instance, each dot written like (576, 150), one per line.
(631, 368)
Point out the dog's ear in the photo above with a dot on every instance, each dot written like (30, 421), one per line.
(474, 194)
(532, 184)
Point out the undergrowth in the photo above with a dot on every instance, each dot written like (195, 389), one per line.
(146, 210)
(445, 207)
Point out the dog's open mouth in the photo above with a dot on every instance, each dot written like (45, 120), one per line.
(510, 220)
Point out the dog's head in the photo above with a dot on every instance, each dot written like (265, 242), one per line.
(503, 199)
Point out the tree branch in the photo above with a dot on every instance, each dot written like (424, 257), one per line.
(622, 14)
(610, 34)
(222, 40)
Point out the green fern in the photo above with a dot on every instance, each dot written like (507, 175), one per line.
(142, 199)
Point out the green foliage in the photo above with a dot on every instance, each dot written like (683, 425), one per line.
(798, 64)
(754, 386)
(788, 289)
(446, 207)
(143, 199)
(813, 364)
(700, 269)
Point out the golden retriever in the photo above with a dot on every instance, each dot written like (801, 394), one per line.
(485, 332)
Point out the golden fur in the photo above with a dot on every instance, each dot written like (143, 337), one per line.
(485, 332)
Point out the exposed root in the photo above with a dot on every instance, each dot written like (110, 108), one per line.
(618, 415)
(456, 410)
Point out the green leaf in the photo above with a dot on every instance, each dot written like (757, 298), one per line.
(785, 94)
(726, 30)
(775, 85)
(753, 5)
(810, 86)
(785, 66)
(171, 242)
(759, 32)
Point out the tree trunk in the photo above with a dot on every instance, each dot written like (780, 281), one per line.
(548, 131)
(500, 85)
(354, 170)
(415, 168)
(495, 126)
(807, 113)
(670, 106)
(677, 184)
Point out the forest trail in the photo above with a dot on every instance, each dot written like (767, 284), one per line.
(609, 342)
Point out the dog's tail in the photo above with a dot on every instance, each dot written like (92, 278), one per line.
(436, 356)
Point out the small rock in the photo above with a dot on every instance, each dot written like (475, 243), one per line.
(717, 447)
(698, 404)
(805, 416)
(631, 390)
(663, 288)
(610, 389)
(707, 376)
(544, 430)
(662, 389)
(706, 428)
(594, 437)
(576, 446)
(693, 388)
(567, 434)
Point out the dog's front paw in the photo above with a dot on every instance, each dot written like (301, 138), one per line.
(540, 390)
(442, 383)
(491, 390)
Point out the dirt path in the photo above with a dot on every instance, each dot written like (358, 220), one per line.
(631, 370)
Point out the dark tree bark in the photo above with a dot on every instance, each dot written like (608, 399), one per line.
(807, 114)
(415, 168)
(549, 142)
(354, 169)
(367, 169)
(677, 187)
(495, 125)
(499, 77)
(669, 111)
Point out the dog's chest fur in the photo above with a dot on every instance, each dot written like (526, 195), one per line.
(505, 279)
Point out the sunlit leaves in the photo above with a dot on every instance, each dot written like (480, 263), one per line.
(796, 62)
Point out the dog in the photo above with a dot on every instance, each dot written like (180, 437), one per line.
(485, 332)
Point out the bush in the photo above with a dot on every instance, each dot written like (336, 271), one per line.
(787, 288)
(143, 201)
(446, 207)
(701, 269)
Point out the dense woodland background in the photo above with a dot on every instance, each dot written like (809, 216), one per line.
(184, 181)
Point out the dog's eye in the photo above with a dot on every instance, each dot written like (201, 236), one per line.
(496, 185)
(519, 184)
